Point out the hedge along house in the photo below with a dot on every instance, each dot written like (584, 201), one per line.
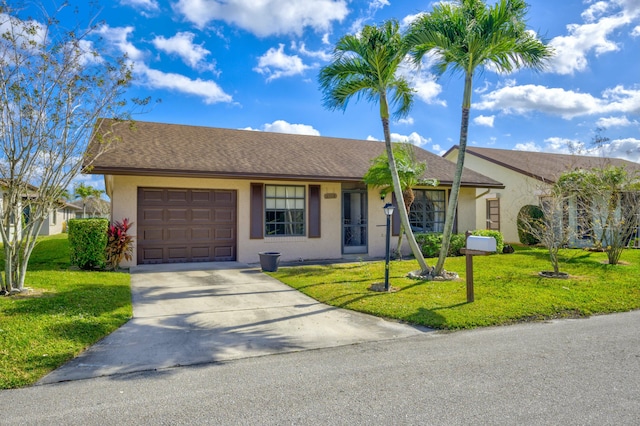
(528, 177)
(211, 194)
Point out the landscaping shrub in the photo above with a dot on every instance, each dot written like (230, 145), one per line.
(87, 241)
(120, 243)
(528, 214)
(491, 233)
(430, 244)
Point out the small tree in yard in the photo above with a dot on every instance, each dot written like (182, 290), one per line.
(609, 199)
(410, 173)
(85, 193)
(54, 85)
(550, 229)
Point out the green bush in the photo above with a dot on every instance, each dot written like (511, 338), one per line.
(88, 241)
(491, 233)
(528, 214)
(430, 244)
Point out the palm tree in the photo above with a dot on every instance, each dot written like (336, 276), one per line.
(86, 192)
(466, 35)
(410, 172)
(365, 66)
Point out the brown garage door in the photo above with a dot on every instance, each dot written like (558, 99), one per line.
(186, 225)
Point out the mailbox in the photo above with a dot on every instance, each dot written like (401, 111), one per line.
(487, 244)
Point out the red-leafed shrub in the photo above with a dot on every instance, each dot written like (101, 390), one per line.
(120, 243)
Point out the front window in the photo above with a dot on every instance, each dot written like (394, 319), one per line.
(284, 210)
(427, 213)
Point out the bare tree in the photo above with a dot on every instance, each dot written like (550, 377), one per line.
(552, 229)
(607, 204)
(54, 86)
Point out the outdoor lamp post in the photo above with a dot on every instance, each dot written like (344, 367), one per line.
(388, 210)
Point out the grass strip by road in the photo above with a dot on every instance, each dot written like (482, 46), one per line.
(67, 311)
(507, 288)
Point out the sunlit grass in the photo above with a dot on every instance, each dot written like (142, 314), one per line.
(66, 311)
(507, 288)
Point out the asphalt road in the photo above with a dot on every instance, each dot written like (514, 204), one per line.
(568, 372)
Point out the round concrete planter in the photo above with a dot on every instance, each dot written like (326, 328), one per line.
(269, 260)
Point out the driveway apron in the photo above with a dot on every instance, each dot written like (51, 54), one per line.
(187, 314)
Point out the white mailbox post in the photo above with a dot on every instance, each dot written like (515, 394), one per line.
(475, 246)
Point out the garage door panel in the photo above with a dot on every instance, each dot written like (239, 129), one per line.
(201, 215)
(177, 196)
(153, 214)
(198, 197)
(224, 253)
(224, 197)
(177, 215)
(225, 215)
(185, 225)
(151, 195)
(201, 234)
(151, 255)
(224, 234)
(177, 234)
(152, 234)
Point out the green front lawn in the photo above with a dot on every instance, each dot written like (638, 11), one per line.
(67, 311)
(507, 288)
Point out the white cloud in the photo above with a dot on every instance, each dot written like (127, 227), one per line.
(608, 122)
(406, 121)
(628, 148)
(150, 5)
(266, 17)
(323, 55)
(408, 20)
(594, 36)
(555, 145)
(118, 36)
(182, 45)
(275, 64)
(281, 126)
(484, 120)
(527, 146)
(556, 101)
(438, 150)
(423, 82)
(636, 31)
(414, 138)
(208, 90)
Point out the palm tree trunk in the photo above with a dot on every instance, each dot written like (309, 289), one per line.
(397, 188)
(457, 179)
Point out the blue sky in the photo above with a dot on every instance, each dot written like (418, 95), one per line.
(253, 64)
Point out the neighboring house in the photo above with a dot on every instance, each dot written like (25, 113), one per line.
(92, 207)
(57, 219)
(527, 177)
(210, 194)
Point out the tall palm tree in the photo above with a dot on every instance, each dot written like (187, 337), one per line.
(410, 173)
(466, 35)
(365, 66)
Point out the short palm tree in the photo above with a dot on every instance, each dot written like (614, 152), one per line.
(86, 192)
(365, 66)
(410, 173)
(466, 35)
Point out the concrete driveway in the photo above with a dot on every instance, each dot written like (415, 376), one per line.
(186, 314)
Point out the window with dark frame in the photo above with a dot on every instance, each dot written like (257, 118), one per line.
(284, 210)
(428, 211)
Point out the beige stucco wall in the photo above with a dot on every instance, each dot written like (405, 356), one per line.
(123, 192)
(519, 190)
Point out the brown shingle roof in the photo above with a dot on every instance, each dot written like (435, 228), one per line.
(178, 150)
(545, 166)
